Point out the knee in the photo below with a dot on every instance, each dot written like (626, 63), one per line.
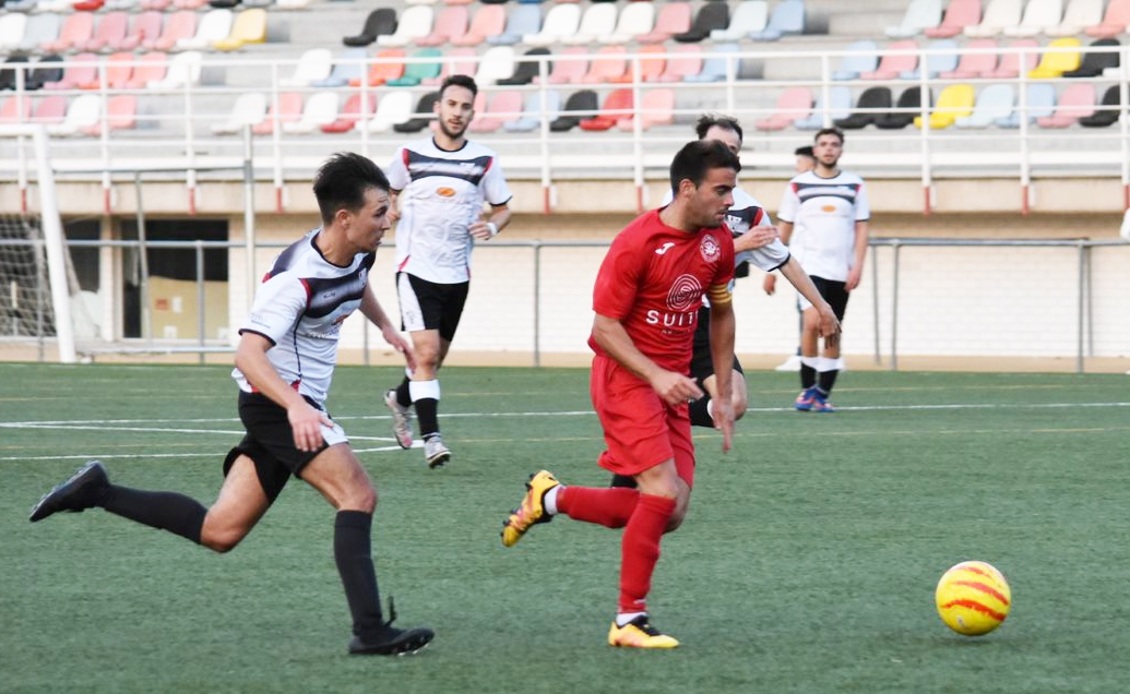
(676, 520)
(221, 541)
(740, 405)
(363, 499)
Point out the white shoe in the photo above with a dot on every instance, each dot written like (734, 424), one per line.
(790, 364)
(435, 453)
(401, 419)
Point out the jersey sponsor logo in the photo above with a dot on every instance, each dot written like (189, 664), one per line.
(663, 249)
(445, 192)
(709, 248)
(828, 208)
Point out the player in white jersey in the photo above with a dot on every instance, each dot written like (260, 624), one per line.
(829, 212)
(284, 362)
(440, 184)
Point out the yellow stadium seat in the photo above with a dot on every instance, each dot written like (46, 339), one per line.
(955, 101)
(1053, 64)
(249, 26)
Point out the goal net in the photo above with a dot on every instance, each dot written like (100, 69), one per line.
(37, 279)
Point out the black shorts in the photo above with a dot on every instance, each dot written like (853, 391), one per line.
(427, 305)
(269, 442)
(702, 363)
(835, 293)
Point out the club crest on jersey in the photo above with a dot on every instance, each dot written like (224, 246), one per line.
(709, 248)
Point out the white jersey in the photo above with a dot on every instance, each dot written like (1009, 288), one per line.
(746, 214)
(300, 307)
(824, 212)
(441, 195)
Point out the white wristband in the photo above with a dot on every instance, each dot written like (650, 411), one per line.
(493, 229)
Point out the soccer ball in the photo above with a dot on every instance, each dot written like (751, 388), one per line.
(973, 598)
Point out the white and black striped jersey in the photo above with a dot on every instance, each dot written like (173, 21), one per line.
(824, 212)
(745, 214)
(299, 307)
(441, 195)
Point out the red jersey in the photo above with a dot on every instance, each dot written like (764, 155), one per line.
(652, 281)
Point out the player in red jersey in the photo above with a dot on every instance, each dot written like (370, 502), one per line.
(647, 296)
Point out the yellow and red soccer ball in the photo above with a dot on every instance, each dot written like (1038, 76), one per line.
(973, 598)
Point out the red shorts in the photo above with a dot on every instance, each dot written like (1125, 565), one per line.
(640, 430)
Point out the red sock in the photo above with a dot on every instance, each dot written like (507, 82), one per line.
(610, 507)
(639, 549)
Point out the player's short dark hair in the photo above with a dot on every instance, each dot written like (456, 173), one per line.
(708, 121)
(829, 131)
(342, 181)
(465, 81)
(805, 151)
(696, 158)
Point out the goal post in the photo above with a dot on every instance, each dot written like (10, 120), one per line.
(36, 161)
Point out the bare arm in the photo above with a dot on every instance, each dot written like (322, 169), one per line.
(855, 274)
(673, 387)
(795, 274)
(722, 325)
(306, 421)
(499, 217)
(769, 284)
(371, 309)
(755, 237)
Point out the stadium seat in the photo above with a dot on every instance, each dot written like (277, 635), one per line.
(859, 57)
(16, 109)
(147, 68)
(313, 66)
(76, 30)
(189, 4)
(387, 64)
(80, 69)
(319, 110)
(83, 111)
(579, 105)
(896, 58)
(955, 101)
(212, 27)
(1078, 15)
(908, 106)
(710, 16)
(249, 109)
(1115, 20)
(636, 19)
(523, 20)
(501, 107)
(717, 64)
(978, 59)
(786, 19)
(12, 27)
(121, 114)
(415, 23)
(1096, 63)
(249, 26)
(393, 108)
(109, 33)
(416, 72)
(959, 14)
(146, 26)
(179, 25)
(618, 104)
(158, 5)
(652, 61)
(118, 69)
(352, 113)
(1038, 14)
(422, 116)
(286, 109)
(940, 56)
(50, 110)
(838, 106)
(599, 19)
(16, 64)
(561, 22)
(995, 102)
(1075, 102)
(292, 4)
(450, 24)
(998, 15)
(682, 62)
(224, 4)
(48, 68)
(456, 61)
(1010, 63)
(1039, 101)
(610, 65)
(920, 15)
(184, 70)
(497, 63)
(794, 103)
(345, 68)
(673, 18)
(1060, 56)
(527, 68)
(539, 106)
(40, 29)
(489, 20)
(657, 107)
(566, 68)
(1108, 113)
(749, 16)
(380, 22)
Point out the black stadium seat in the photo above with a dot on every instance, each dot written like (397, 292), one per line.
(909, 103)
(578, 102)
(8, 72)
(711, 16)
(1108, 115)
(417, 122)
(380, 21)
(48, 69)
(526, 70)
(871, 98)
(1094, 63)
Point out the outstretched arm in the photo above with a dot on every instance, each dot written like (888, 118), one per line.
(795, 274)
(722, 326)
(371, 309)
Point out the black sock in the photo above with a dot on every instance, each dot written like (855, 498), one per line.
(354, 559)
(403, 397)
(807, 376)
(828, 379)
(427, 413)
(700, 415)
(177, 513)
